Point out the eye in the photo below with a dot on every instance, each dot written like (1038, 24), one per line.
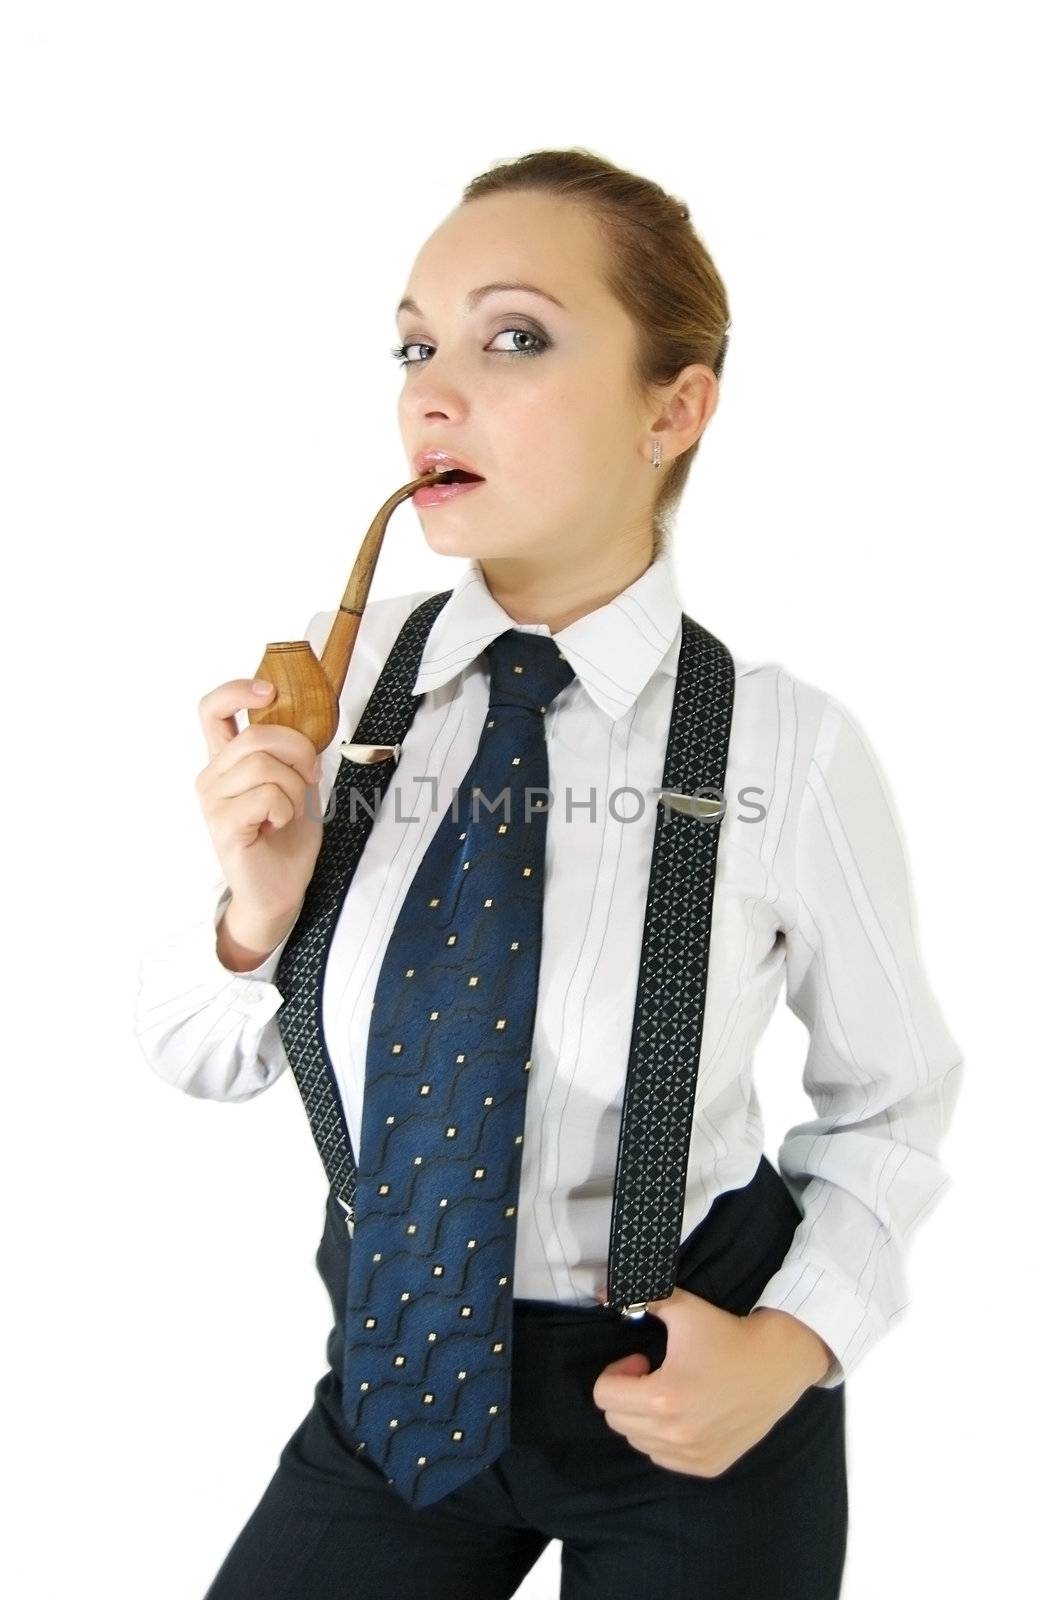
(524, 333)
(405, 360)
(539, 341)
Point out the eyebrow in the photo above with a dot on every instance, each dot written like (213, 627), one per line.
(475, 296)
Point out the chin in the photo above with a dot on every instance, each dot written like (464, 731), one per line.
(460, 542)
(450, 541)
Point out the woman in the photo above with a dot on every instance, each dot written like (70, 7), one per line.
(563, 336)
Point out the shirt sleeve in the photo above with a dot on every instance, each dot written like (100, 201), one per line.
(207, 1031)
(882, 1070)
(210, 1032)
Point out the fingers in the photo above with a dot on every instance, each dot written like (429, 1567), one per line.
(263, 809)
(227, 744)
(218, 708)
(265, 766)
(266, 781)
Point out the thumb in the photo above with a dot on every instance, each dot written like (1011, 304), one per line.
(636, 1364)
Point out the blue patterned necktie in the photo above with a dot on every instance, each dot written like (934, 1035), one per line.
(430, 1288)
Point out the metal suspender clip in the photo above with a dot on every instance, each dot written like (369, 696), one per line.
(364, 754)
(692, 805)
(633, 1310)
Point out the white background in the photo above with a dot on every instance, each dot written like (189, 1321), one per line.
(209, 213)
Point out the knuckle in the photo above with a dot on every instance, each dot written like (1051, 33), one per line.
(260, 764)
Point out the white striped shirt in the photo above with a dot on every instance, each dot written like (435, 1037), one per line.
(812, 891)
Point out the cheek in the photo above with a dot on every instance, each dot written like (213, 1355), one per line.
(556, 422)
(557, 436)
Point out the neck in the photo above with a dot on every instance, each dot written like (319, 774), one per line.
(531, 592)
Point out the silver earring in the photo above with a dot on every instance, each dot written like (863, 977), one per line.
(656, 457)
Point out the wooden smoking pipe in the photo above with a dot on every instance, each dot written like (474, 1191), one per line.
(308, 690)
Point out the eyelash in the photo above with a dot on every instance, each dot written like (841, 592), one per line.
(543, 343)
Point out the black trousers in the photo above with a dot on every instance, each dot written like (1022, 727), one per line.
(772, 1526)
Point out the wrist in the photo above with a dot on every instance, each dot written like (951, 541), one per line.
(805, 1352)
(244, 940)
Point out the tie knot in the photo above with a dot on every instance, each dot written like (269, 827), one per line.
(526, 670)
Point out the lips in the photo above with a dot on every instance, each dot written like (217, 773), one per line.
(451, 468)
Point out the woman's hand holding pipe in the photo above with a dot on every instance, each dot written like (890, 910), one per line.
(265, 828)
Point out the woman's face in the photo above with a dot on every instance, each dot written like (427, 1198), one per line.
(534, 395)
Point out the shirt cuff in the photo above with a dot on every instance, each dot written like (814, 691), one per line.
(823, 1302)
(266, 970)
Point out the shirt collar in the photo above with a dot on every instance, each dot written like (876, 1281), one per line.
(613, 650)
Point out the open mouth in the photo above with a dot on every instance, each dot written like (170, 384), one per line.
(457, 475)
